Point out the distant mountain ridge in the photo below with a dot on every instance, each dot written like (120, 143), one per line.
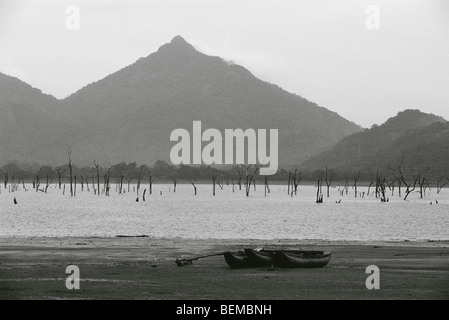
(30, 129)
(130, 114)
(417, 138)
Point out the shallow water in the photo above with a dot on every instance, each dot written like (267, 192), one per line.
(228, 215)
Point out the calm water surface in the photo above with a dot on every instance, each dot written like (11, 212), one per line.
(228, 215)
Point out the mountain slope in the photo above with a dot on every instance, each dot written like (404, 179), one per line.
(413, 136)
(130, 114)
(29, 129)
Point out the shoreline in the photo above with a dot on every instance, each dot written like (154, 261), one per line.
(237, 241)
(144, 268)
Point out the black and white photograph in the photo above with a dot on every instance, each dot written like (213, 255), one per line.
(224, 155)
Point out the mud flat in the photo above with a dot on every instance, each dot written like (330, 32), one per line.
(144, 268)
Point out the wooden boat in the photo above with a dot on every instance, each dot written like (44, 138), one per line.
(250, 258)
(304, 259)
(238, 260)
(259, 258)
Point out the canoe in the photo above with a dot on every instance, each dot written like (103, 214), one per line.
(260, 258)
(287, 259)
(238, 260)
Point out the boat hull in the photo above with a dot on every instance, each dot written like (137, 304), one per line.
(250, 258)
(238, 260)
(300, 260)
(260, 258)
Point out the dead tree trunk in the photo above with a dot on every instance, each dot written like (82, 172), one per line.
(391, 186)
(248, 178)
(319, 191)
(370, 184)
(150, 178)
(267, 187)
(97, 168)
(422, 185)
(346, 183)
(139, 179)
(214, 179)
(93, 184)
(107, 186)
(74, 185)
(408, 189)
(399, 180)
(356, 179)
(48, 182)
(295, 179)
(194, 186)
(70, 171)
(441, 183)
(60, 173)
(122, 176)
(6, 179)
(38, 181)
(328, 182)
(380, 184)
(240, 173)
(129, 181)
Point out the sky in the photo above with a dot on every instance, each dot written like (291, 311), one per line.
(364, 59)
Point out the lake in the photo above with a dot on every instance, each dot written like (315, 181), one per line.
(228, 215)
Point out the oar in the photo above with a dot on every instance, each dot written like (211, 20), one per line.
(184, 262)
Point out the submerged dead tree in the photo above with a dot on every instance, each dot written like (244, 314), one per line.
(319, 190)
(399, 181)
(214, 181)
(240, 173)
(60, 174)
(97, 168)
(139, 180)
(328, 181)
(422, 182)
(249, 178)
(409, 189)
(120, 180)
(129, 181)
(107, 186)
(370, 184)
(150, 181)
(391, 185)
(194, 186)
(295, 179)
(346, 188)
(48, 182)
(381, 188)
(356, 179)
(6, 179)
(69, 152)
(441, 183)
(266, 186)
(37, 181)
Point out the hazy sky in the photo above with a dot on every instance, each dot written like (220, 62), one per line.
(319, 49)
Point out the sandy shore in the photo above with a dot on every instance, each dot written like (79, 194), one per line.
(144, 268)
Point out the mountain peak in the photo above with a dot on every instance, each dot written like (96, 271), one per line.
(179, 40)
(177, 44)
(411, 118)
